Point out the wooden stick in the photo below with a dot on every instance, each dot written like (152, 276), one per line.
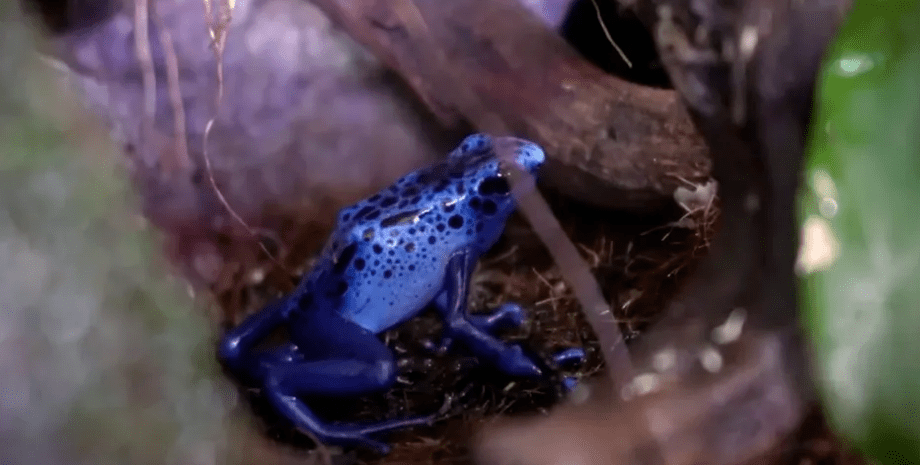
(492, 65)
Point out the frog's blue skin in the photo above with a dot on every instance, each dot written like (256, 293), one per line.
(392, 255)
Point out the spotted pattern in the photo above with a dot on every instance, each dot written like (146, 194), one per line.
(386, 260)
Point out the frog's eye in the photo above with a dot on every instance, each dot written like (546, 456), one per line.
(494, 185)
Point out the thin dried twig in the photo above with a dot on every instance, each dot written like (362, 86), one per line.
(218, 25)
(600, 20)
(595, 257)
(148, 76)
(575, 270)
(182, 160)
(553, 298)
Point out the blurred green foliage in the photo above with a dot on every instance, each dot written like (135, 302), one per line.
(860, 218)
(103, 356)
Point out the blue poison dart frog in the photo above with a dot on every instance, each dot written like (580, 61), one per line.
(391, 255)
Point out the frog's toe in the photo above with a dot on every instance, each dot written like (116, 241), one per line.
(512, 315)
(509, 315)
(570, 356)
(569, 383)
(517, 363)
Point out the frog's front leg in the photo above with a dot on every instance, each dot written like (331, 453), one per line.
(474, 331)
(509, 315)
(336, 358)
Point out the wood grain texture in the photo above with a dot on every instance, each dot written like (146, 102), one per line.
(746, 70)
(492, 66)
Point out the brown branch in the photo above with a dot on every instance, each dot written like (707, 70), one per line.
(746, 70)
(572, 267)
(492, 65)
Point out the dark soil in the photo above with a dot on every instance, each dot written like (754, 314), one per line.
(639, 264)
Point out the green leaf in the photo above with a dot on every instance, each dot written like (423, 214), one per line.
(859, 211)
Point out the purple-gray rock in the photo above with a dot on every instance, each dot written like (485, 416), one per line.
(309, 120)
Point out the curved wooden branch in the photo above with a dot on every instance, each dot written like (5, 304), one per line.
(746, 70)
(490, 64)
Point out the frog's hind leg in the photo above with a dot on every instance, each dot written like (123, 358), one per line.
(350, 361)
(236, 349)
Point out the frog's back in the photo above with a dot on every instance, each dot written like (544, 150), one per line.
(388, 257)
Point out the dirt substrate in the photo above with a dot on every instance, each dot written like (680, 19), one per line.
(640, 263)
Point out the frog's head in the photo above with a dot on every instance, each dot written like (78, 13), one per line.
(485, 161)
(480, 151)
(527, 155)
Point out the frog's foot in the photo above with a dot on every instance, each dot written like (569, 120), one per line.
(568, 357)
(349, 435)
(509, 315)
(571, 357)
(509, 358)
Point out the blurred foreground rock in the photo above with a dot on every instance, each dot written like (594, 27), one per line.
(101, 359)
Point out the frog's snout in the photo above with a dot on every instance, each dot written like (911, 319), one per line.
(530, 156)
